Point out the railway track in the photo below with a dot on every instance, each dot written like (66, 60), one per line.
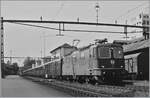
(88, 90)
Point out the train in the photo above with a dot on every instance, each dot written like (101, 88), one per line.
(94, 64)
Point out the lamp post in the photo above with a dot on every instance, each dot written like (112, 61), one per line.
(43, 45)
(97, 9)
(44, 41)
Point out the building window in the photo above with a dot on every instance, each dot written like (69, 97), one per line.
(147, 22)
(144, 16)
(139, 22)
(143, 22)
(140, 15)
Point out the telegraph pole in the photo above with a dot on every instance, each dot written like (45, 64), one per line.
(44, 40)
(1, 50)
(10, 56)
(125, 30)
(41, 18)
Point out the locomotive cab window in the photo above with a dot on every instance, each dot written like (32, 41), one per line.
(104, 52)
(118, 52)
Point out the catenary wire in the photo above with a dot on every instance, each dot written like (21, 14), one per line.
(130, 10)
(72, 29)
(59, 10)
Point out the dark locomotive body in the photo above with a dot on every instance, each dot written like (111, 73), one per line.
(94, 63)
(111, 62)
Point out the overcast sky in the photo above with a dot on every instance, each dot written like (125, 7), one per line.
(28, 41)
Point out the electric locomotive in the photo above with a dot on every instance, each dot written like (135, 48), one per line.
(96, 63)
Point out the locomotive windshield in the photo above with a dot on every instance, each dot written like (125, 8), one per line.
(117, 52)
(104, 52)
(110, 52)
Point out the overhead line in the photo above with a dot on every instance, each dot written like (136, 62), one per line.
(35, 25)
(20, 57)
(69, 22)
(72, 29)
(98, 31)
(130, 10)
(57, 13)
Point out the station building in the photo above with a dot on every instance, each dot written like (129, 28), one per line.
(56, 53)
(137, 58)
(62, 50)
(136, 54)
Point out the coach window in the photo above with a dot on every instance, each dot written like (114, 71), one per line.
(94, 52)
(69, 59)
(90, 53)
(82, 55)
(66, 59)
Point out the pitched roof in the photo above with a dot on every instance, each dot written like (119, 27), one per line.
(125, 42)
(136, 45)
(137, 40)
(62, 46)
(84, 47)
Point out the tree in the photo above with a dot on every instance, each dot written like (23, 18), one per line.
(3, 70)
(28, 62)
(9, 69)
(15, 68)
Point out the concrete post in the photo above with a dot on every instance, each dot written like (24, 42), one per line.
(1, 51)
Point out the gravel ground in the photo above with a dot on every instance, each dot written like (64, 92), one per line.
(120, 91)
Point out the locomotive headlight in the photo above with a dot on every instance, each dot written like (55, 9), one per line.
(119, 52)
(112, 62)
(104, 72)
(95, 77)
(121, 66)
(102, 66)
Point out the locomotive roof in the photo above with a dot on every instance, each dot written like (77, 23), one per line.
(110, 45)
(88, 46)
